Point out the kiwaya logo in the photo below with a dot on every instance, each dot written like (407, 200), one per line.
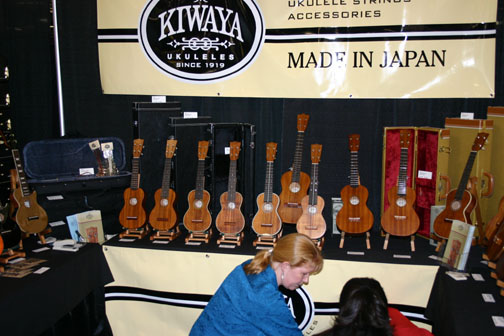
(201, 40)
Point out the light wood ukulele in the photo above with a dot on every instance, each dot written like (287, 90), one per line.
(132, 215)
(197, 217)
(266, 221)
(295, 183)
(163, 216)
(230, 220)
(30, 216)
(311, 222)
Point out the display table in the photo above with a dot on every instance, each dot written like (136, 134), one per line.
(33, 304)
(162, 288)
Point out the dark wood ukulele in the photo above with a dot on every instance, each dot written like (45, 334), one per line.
(460, 202)
(230, 220)
(132, 215)
(267, 221)
(197, 217)
(354, 216)
(295, 183)
(163, 216)
(400, 218)
(311, 222)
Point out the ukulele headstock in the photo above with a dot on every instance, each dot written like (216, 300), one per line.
(202, 150)
(137, 148)
(479, 142)
(354, 142)
(302, 122)
(234, 150)
(271, 149)
(405, 136)
(316, 153)
(171, 146)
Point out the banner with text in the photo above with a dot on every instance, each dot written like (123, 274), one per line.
(298, 48)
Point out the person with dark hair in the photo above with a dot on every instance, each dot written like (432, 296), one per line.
(249, 301)
(364, 311)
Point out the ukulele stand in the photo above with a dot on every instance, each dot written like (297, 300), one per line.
(41, 237)
(166, 234)
(319, 242)
(440, 244)
(500, 283)
(412, 242)
(342, 240)
(230, 239)
(266, 240)
(203, 236)
(135, 233)
(11, 254)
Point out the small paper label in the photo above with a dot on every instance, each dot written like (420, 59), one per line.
(355, 253)
(425, 174)
(127, 240)
(57, 223)
(456, 276)
(41, 270)
(227, 150)
(402, 256)
(16, 260)
(160, 241)
(498, 321)
(193, 243)
(55, 197)
(158, 99)
(190, 115)
(488, 297)
(435, 257)
(478, 277)
(45, 248)
(263, 247)
(466, 115)
(227, 246)
(86, 171)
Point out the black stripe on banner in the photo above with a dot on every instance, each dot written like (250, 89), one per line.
(371, 39)
(124, 31)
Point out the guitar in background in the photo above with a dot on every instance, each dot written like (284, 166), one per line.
(30, 216)
(460, 202)
(295, 183)
(132, 215)
(400, 218)
(311, 222)
(197, 217)
(354, 216)
(163, 216)
(230, 220)
(10, 232)
(266, 222)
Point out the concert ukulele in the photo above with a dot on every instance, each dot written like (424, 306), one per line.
(163, 216)
(311, 222)
(354, 216)
(132, 215)
(230, 220)
(197, 217)
(266, 222)
(460, 202)
(295, 183)
(400, 218)
(30, 216)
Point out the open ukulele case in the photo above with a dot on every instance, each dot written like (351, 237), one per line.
(53, 168)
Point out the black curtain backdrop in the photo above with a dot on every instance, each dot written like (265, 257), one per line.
(27, 41)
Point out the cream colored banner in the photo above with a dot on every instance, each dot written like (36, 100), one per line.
(319, 49)
(202, 273)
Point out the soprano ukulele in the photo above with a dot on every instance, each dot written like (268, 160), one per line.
(197, 217)
(163, 216)
(230, 219)
(460, 202)
(295, 183)
(266, 221)
(354, 216)
(311, 222)
(132, 215)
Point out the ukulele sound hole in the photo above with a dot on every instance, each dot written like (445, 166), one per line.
(268, 207)
(133, 201)
(164, 202)
(231, 205)
(294, 187)
(354, 200)
(455, 205)
(198, 204)
(312, 210)
(401, 202)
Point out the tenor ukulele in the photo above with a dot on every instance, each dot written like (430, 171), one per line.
(30, 216)
(230, 220)
(163, 216)
(266, 222)
(197, 217)
(132, 215)
(295, 183)
(354, 216)
(459, 202)
(400, 218)
(311, 222)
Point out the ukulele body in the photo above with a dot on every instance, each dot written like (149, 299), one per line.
(454, 209)
(400, 219)
(30, 216)
(197, 217)
(230, 219)
(267, 221)
(354, 216)
(311, 222)
(132, 215)
(290, 198)
(163, 216)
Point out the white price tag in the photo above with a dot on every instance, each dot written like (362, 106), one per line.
(488, 297)
(41, 270)
(478, 277)
(498, 321)
(425, 174)
(355, 253)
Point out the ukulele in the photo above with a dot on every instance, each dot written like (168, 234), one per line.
(10, 232)
(230, 220)
(30, 216)
(354, 216)
(132, 215)
(197, 218)
(163, 216)
(400, 218)
(267, 221)
(494, 223)
(311, 222)
(295, 183)
(459, 202)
